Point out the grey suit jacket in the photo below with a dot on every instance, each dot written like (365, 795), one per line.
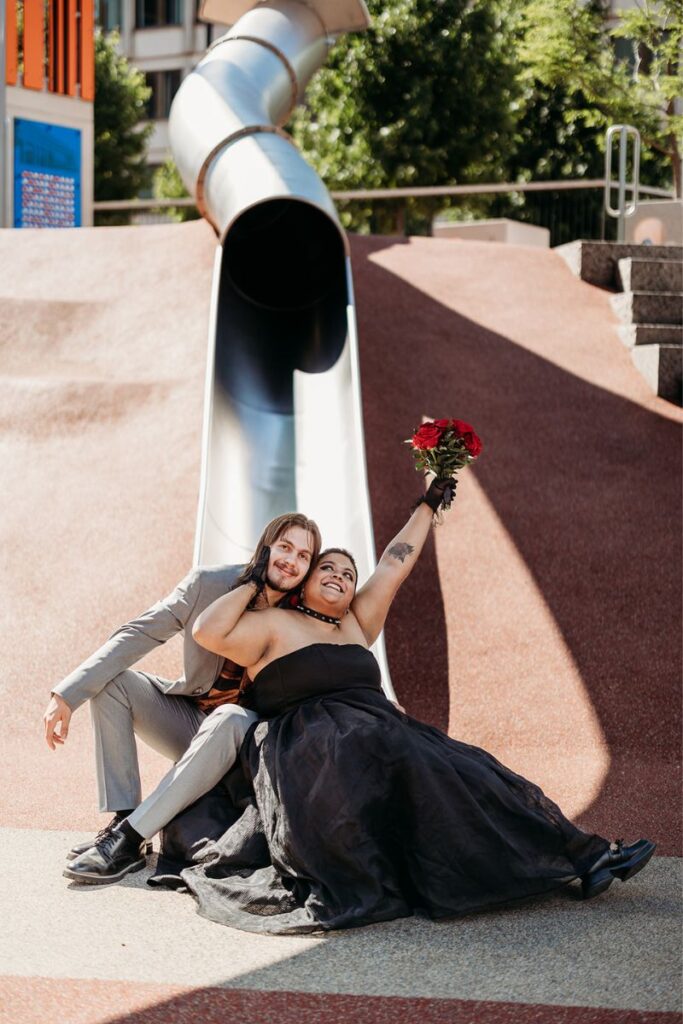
(130, 642)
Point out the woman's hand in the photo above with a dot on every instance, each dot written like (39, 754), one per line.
(440, 492)
(259, 574)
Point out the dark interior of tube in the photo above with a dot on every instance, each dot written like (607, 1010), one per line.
(282, 302)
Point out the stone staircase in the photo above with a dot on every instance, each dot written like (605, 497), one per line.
(648, 280)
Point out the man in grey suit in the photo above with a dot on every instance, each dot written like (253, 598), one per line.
(196, 721)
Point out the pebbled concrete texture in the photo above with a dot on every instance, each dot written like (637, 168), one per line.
(643, 275)
(619, 950)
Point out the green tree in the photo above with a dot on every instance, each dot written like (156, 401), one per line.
(121, 95)
(551, 143)
(569, 45)
(424, 97)
(169, 185)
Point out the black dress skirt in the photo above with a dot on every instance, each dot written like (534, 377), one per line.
(344, 811)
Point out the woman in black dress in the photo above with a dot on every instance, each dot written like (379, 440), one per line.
(354, 812)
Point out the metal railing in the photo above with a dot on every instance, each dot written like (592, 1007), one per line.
(623, 209)
(569, 209)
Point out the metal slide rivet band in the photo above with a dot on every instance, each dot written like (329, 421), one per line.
(278, 53)
(253, 129)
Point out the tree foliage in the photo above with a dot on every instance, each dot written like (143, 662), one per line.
(450, 92)
(169, 185)
(569, 45)
(423, 97)
(121, 171)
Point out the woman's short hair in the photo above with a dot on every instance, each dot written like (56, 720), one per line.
(338, 551)
(274, 530)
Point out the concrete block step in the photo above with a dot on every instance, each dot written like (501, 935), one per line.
(596, 262)
(651, 334)
(644, 275)
(648, 307)
(662, 368)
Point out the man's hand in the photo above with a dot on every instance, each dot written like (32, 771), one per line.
(56, 718)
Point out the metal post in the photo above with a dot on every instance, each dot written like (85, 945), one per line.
(621, 201)
(3, 115)
(623, 208)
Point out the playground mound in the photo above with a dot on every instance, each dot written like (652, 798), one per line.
(542, 620)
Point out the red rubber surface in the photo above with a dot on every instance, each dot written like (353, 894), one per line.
(556, 601)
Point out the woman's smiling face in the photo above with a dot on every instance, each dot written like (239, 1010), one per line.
(333, 581)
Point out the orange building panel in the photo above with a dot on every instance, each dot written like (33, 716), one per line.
(87, 75)
(34, 47)
(71, 48)
(59, 9)
(51, 47)
(12, 53)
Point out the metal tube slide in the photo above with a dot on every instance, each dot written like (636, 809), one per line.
(282, 416)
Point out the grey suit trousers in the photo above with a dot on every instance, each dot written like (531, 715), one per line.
(203, 747)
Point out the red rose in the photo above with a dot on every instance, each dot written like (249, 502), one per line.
(443, 424)
(428, 436)
(471, 441)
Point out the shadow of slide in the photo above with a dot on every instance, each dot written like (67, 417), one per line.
(587, 484)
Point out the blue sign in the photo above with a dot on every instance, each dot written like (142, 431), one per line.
(47, 175)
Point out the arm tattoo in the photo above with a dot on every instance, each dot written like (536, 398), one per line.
(401, 551)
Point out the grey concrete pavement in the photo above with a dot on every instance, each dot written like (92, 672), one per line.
(622, 950)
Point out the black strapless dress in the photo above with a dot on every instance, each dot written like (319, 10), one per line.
(345, 811)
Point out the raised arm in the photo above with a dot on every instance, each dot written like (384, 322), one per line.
(373, 601)
(226, 628)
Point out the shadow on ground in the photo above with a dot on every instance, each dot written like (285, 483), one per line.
(587, 484)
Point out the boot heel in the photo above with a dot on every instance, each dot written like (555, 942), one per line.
(595, 883)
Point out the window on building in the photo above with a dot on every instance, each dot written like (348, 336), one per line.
(164, 86)
(157, 13)
(108, 14)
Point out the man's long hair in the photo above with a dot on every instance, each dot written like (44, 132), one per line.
(274, 530)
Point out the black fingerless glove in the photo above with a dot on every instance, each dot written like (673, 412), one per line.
(259, 573)
(440, 493)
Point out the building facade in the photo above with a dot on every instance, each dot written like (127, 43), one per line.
(164, 39)
(46, 112)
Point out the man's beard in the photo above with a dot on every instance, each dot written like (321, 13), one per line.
(279, 589)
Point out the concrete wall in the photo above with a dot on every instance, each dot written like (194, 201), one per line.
(500, 230)
(656, 222)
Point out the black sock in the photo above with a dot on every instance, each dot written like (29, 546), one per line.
(120, 815)
(129, 832)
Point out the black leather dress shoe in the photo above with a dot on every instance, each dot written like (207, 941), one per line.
(78, 848)
(618, 861)
(108, 861)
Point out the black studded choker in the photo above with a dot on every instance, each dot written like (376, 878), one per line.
(317, 615)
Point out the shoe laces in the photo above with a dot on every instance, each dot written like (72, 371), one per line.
(107, 830)
(108, 842)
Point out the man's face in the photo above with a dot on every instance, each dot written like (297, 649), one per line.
(290, 559)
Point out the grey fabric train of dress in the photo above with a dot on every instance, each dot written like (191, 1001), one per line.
(345, 811)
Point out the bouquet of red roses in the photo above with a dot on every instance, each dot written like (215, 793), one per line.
(442, 447)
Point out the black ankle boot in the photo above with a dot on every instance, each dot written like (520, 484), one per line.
(78, 848)
(621, 862)
(113, 857)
